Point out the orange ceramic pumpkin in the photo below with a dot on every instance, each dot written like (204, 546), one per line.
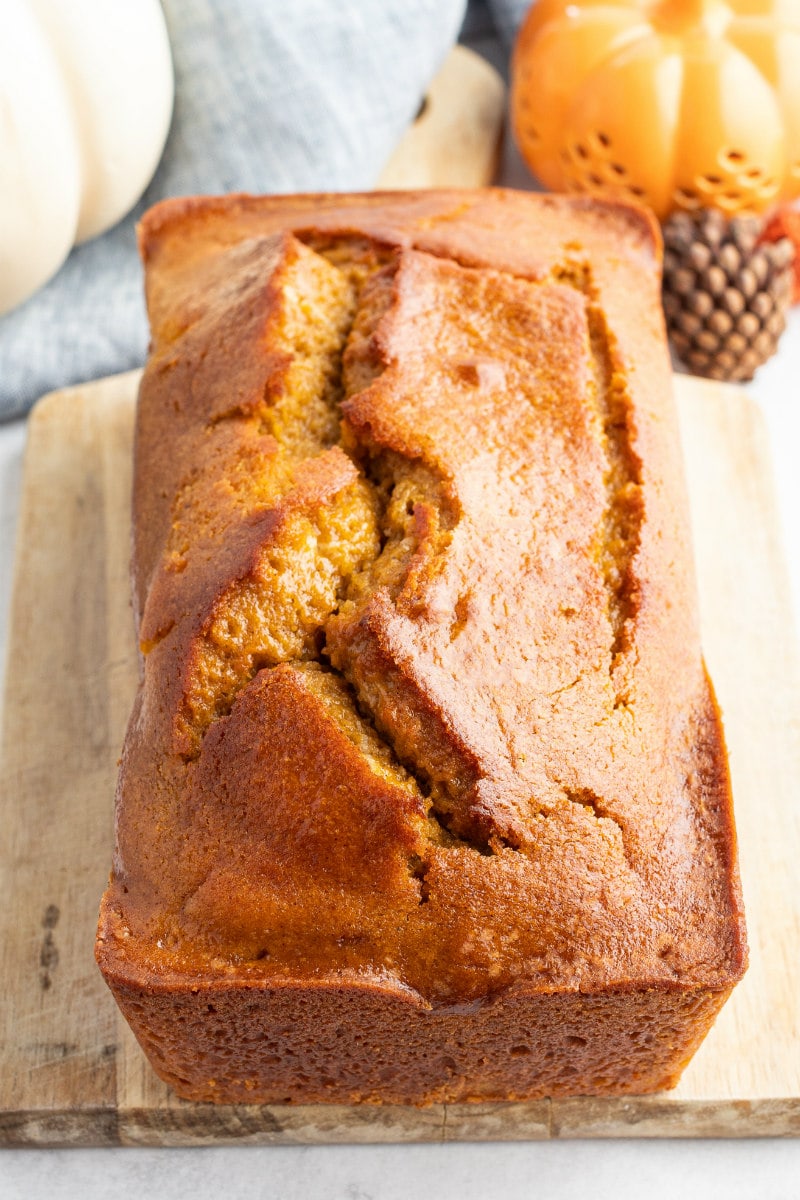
(676, 103)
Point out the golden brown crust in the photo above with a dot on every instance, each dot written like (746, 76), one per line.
(423, 711)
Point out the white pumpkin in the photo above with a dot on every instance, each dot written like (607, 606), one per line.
(85, 103)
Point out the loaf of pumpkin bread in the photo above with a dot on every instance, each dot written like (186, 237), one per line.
(424, 796)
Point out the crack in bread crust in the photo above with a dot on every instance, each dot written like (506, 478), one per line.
(406, 568)
(385, 530)
(329, 357)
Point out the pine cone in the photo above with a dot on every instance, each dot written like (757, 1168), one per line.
(725, 296)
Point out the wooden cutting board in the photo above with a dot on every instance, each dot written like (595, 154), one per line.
(70, 1071)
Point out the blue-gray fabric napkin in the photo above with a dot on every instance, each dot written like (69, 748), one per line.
(508, 16)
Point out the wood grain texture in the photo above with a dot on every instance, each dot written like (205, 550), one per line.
(71, 1072)
(456, 139)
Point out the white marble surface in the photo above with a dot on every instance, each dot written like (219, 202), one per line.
(741, 1170)
(767, 1169)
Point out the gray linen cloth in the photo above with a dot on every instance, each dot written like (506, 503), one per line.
(508, 16)
(270, 96)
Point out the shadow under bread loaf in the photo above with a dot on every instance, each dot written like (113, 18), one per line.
(424, 796)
